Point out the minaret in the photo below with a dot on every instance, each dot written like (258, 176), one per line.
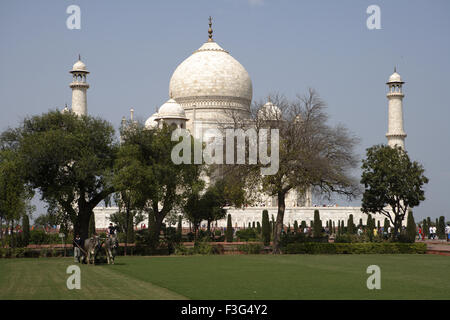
(79, 87)
(395, 135)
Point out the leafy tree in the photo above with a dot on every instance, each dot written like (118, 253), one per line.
(312, 153)
(229, 231)
(392, 182)
(410, 227)
(14, 192)
(149, 179)
(265, 228)
(68, 159)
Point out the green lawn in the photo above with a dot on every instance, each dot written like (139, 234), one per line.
(231, 277)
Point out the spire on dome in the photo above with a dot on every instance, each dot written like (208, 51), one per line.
(210, 31)
(395, 68)
(79, 57)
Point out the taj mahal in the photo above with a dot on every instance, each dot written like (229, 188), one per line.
(203, 90)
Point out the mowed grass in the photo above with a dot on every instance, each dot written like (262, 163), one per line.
(231, 277)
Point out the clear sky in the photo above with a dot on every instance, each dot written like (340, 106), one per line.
(131, 49)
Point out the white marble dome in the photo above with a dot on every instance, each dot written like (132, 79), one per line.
(211, 72)
(395, 77)
(79, 66)
(151, 122)
(269, 111)
(171, 110)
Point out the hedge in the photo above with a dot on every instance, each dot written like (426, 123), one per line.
(355, 248)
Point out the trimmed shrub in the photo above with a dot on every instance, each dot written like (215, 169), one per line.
(441, 228)
(410, 227)
(229, 232)
(247, 234)
(265, 228)
(355, 248)
(251, 248)
(317, 229)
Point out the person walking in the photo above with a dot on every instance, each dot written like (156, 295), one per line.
(447, 231)
(77, 245)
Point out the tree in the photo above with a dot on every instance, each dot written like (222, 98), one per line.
(317, 229)
(91, 226)
(295, 226)
(303, 225)
(425, 227)
(68, 159)
(14, 192)
(392, 182)
(229, 232)
(312, 153)
(265, 228)
(410, 227)
(180, 227)
(351, 225)
(25, 230)
(148, 178)
(441, 228)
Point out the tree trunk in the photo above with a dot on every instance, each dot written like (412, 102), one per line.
(82, 225)
(279, 223)
(127, 215)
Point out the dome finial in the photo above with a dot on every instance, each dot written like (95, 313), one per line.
(395, 68)
(79, 57)
(210, 31)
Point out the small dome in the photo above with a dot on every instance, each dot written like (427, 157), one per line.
(269, 111)
(395, 77)
(79, 66)
(151, 122)
(171, 110)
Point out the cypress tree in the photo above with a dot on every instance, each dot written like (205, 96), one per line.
(317, 229)
(410, 227)
(425, 227)
(26, 230)
(180, 227)
(266, 228)
(295, 226)
(91, 228)
(303, 225)
(334, 227)
(249, 225)
(229, 232)
(350, 225)
(441, 228)
(386, 224)
(378, 224)
(360, 223)
(258, 227)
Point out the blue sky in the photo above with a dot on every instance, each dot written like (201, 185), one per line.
(131, 49)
